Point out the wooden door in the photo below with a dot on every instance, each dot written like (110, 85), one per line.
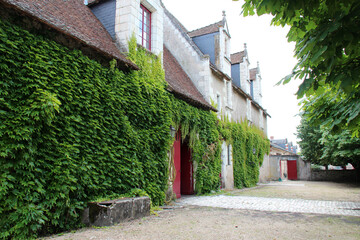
(187, 181)
(292, 169)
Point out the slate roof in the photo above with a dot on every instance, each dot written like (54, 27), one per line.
(253, 72)
(273, 145)
(206, 30)
(75, 20)
(237, 57)
(279, 141)
(180, 84)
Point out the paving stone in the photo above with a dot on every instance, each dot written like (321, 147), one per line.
(275, 204)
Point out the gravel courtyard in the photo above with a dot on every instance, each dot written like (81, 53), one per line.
(185, 220)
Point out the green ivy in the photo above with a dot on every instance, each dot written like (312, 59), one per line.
(249, 146)
(202, 129)
(74, 131)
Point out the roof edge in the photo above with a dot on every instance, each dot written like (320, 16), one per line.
(190, 101)
(124, 65)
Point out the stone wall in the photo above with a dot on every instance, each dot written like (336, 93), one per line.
(255, 115)
(112, 212)
(303, 170)
(127, 22)
(239, 107)
(264, 171)
(189, 57)
(333, 175)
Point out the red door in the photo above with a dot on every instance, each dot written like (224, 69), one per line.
(177, 163)
(292, 169)
(187, 181)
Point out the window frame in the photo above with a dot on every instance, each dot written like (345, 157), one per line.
(229, 154)
(144, 13)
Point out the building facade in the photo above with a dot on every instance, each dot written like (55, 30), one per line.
(222, 81)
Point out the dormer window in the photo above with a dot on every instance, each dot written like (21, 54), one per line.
(252, 88)
(227, 51)
(145, 27)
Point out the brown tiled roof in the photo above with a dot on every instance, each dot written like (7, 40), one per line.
(253, 72)
(237, 57)
(206, 30)
(180, 83)
(75, 20)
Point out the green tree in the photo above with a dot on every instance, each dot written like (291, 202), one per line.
(327, 37)
(310, 145)
(320, 146)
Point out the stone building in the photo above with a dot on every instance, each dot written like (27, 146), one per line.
(207, 74)
(122, 18)
(224, 79)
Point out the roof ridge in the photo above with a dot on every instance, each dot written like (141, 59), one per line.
(212, 28)
(75, 28)
(237, 52)
(221, 21)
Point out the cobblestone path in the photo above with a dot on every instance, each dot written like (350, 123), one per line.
(275, 204)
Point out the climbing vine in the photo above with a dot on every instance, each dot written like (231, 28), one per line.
(73, 131)
(249, 146)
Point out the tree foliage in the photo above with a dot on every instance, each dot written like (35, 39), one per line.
(327, 37)
(311, 147)
(320, 146)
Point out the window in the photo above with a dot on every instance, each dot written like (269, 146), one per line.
(218, 101)
(229, 154)
(145, 27)
(228, 93)
(226, 47)
(248, 110)
(252, 88)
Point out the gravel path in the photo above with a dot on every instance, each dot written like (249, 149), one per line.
(275, 204)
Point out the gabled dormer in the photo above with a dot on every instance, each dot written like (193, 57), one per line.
(121, 18)
(255, 84)
(240, 70)
(214, 40)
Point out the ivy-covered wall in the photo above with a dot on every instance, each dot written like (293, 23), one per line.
(249, 146)
(73, 131)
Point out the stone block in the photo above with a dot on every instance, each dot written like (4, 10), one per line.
(112, 212)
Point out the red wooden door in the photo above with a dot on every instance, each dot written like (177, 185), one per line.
(187, 181)
(177, 163)
(292, 169)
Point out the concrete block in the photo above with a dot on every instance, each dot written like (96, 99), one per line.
(112, 212)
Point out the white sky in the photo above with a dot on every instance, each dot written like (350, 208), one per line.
(266, 44)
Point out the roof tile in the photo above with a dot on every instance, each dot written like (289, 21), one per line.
(73, 19)
(237, 57)
(253, 72)
(206, 30)
(180, 83)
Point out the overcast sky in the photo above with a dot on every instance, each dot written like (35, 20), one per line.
(266, 44)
